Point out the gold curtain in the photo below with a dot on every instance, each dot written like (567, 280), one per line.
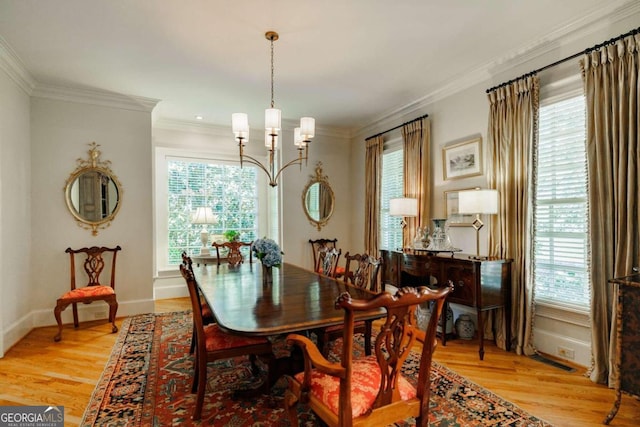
(513, 113)
(417, 173)
(612, 90)
(372, 171)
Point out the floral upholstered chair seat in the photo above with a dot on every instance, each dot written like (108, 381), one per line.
(365, 384)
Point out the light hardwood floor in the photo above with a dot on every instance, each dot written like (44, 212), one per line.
(38, 371)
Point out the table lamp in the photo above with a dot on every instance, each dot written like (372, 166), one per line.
(404, 207)
(204, 215)
(478, 202)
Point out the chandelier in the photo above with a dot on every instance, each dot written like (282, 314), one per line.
(272, 122)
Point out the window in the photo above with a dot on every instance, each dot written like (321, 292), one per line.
(560, 205)
(391, 187)
(229, 190)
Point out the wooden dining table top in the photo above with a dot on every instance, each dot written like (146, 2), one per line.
(296, 300)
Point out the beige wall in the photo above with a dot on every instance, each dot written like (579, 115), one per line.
(15, 213)
(61, 131)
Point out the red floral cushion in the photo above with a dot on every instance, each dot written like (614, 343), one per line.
(339, 271)
(365, 383)
(216, 339)
(89, 291)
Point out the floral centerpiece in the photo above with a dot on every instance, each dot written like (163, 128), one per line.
(268, 252)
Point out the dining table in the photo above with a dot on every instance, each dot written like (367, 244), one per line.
(295, 300)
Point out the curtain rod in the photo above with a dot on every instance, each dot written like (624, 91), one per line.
(568, 58)
(399, 126)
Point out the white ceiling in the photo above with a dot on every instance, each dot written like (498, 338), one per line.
(345, 62)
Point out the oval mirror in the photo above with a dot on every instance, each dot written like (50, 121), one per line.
(317, 199)
(93, 193)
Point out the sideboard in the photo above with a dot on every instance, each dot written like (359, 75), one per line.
(484, 284)
(627, 357)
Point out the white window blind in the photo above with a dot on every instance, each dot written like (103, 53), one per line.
(560, 206)
(229, 190)
(391, 187)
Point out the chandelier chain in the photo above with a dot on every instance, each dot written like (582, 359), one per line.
(272, 72)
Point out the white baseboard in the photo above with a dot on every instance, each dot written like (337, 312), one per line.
(555, 345)
(169, 287)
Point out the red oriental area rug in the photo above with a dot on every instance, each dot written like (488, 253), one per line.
(147, 382)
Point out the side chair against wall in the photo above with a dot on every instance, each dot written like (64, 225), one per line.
(370, 391)
(363, 271)
(234, 256)
(93, 266)
(214, 344)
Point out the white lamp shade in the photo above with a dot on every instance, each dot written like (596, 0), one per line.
(307, 128)
(240, 124)
(203, 215)
(478, 202)
(272, 120)
(404, 207)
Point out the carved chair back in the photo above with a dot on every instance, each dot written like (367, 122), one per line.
(93, 264)
(321, 244)
(234, 255)
(328, 261)
(363, 271)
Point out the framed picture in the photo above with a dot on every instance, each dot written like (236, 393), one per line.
(451, 209)
(463, 159)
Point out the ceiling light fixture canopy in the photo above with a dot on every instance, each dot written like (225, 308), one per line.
(272, 123)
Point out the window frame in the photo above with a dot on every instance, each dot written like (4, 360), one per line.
(162, 157)
(391, 146)
(551, 94)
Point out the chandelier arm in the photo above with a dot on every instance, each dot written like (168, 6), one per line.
(292, 162)
(248, 159)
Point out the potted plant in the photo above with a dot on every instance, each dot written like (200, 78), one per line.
(232, 235)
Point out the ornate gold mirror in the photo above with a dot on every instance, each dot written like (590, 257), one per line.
(92, 192)
(317, 198)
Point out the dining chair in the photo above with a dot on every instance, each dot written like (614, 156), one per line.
(207, 313)
(93, 265)
(328, 261)
(370, 390)
(318, 244)
(234, 254)
(363, 271)
(322, 245)
(212, 344)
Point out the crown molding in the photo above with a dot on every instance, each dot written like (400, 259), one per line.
(192, 127)
(95, 97)
(598, 20)
(11, 64)
(225, 131)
